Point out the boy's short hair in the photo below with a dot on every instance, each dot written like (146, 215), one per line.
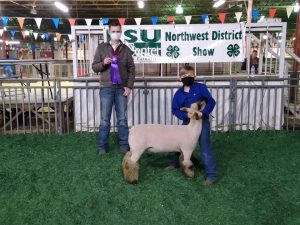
(114, 23)
(186, 69)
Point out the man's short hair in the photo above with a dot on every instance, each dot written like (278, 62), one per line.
(186, 69)
(114, 23)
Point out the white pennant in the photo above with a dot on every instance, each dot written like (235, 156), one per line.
(88, 22)
(35, 35)
(289, 11)
(188, 19)
(38, 22)
(238, 16)
(138, 21)
(1, 32)
(70, 37)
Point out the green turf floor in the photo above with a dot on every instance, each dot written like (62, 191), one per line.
(61, 180)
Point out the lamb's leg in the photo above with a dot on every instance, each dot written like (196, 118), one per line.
(130, 166)
(186, 163)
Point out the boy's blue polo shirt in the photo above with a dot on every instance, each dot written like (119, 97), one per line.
(198, 91)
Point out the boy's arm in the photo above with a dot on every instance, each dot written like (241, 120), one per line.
(176, 110)
(210, 102)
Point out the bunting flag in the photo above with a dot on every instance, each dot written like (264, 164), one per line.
(4, 21)
(289, 11)
(70, 37)
(154, 20)
(21, 21)
(55, 22)
(38, 22)
(204, 16)
(35, 35)
(58, 36)
(88, 22)
(72, 21)
(188, 19)
(138, 21)
(81, 38)
(272, 12)
(24, 34)
(1, 32)
(238, 16)
(255, 14)
(171, 19)
(222, 17)
(46, 36)
(122, 21)
(12, 33)
(105, 21)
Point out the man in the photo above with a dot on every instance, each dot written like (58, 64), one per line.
(115, 63)
(254, 61)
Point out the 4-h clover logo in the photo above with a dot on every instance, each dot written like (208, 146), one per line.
(233, 50)
(173, 51)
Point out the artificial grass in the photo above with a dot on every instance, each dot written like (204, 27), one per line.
(61, 180)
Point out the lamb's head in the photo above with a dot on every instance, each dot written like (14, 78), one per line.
(193, 111)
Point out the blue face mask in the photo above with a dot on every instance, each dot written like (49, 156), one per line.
(188, 81)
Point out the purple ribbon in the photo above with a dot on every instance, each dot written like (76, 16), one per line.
(115, 76)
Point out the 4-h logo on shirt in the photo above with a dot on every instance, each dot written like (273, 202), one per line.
(173, 51)
(233, 50)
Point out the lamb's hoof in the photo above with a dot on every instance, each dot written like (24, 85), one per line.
(189, 172)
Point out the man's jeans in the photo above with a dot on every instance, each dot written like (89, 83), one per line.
(108, 98)
(206, 153)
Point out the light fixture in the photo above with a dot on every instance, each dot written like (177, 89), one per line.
(280, 34)
(26, 32)
(33, 10)
(296, 7)
(12, 42)
(141, 4)
(218, 3)
(55, 39)
(294, 38)
(265, 37)
(61, 6)
(179, 9)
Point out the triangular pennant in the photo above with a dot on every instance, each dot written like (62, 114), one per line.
(21, 21)
(55, 22)
(122, 21)
(289, 11)
(70, 37)
(35, 35)
(88, 21)
(24, 34)
(222, 17)
(72, 21)
(46, 35)
(238, 16)
(105, 21)
(272, 12)
(38, 22)
(4, 21)
(12, 33)
(204, 16)
(81, 38)
(171, 19)
(58, 36)
(1, 32)
(188, 19)
(138, 21)
(154, 20)
(255, 14)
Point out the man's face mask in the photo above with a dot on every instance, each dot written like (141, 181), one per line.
(188, 81)
(115, 36)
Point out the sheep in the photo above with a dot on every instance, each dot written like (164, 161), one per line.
(163, 138)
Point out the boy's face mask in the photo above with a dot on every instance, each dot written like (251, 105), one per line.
(188, 80)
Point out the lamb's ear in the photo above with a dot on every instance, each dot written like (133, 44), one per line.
(197, 116)
(185, 109)
(201, 104)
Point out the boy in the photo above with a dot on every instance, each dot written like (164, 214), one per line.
(192, 92)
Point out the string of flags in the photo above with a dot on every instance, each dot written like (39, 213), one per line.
(104, 21)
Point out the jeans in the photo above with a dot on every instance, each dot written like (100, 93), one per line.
(108, 98)
(207, 156)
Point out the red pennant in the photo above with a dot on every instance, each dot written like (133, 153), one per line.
(171, 19)
(272, 12)
(72, 21)
(58, 36)
(122, 21)
(24, 34)
(21, 21)
(222, 17)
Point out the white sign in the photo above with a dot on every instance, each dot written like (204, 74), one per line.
(185, 43)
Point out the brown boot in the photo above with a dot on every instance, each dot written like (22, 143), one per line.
(208, 182)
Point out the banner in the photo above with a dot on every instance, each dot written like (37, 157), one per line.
(185, 43)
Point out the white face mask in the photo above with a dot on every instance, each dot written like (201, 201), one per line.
(115, 36)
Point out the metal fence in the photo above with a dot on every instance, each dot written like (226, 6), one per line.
(63, 106)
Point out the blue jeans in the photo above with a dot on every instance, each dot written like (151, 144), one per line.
(108, 98)
(207, 156)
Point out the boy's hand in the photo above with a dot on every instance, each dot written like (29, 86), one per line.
(191, 114)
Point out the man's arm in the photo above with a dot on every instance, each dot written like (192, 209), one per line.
(98, 64)
(130, 69)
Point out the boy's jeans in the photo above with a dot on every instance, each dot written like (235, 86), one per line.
(108, 98)
(206, 153)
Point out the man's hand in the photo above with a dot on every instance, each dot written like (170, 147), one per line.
(126, 91)
(107, 61)
(190, 115)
